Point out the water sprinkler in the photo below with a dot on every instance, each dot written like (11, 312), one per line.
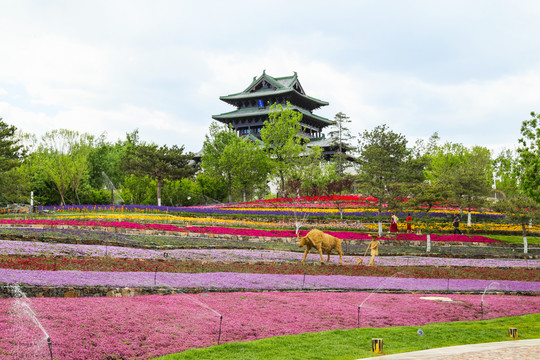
(489, 286)
(220, 321)
(49, 342)
(482, 309)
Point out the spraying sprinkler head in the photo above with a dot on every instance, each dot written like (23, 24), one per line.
(50, 346)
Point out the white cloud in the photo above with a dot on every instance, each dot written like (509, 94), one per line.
(466, 70)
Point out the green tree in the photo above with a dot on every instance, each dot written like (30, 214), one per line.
(341, 137)
(529, 156)
(520, 210)
(467, 171)
(106, 157)
(158, 162)
(280, 136)
(45, 191)
(11, 149)
(419, 159)
(311, 172)
(507, 171)
(212, 189)
(63, 157)
(139, 190)
(380, 164)
(16, 181)
(183, 192)
(251, 165)
(425, 196)
(213, 161)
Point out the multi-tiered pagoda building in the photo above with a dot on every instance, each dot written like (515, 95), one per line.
(253, 106)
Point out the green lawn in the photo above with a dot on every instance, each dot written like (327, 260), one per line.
(518, 239)
(356, 343)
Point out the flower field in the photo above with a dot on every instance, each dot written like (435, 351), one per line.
(148, 326)
(345, 235)
(237, 277)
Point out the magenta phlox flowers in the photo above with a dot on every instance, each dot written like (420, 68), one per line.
(142, 327)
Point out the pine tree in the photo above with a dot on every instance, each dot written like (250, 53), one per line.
(341, 136)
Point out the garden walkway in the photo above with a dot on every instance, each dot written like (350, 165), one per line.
(505, 350)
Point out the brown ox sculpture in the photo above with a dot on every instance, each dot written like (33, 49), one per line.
(322, 242)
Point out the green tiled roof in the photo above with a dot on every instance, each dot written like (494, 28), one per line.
(262, 93)
(278, 82)
(283, 85)
(246, 112)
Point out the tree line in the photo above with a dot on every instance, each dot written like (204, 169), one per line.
(68, 167)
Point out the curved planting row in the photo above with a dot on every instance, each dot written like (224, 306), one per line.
(257, 282)
(345, 235)
(237, 255)
(49, 263)
(238, 209)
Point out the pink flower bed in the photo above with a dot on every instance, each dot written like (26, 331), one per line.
(148, 326)
(345, 235)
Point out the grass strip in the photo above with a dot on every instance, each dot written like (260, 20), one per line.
(356, 343)
(516, 239)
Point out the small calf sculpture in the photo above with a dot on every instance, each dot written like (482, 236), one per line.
(322, 242)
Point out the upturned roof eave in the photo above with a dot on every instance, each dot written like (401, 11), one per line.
(239, 96)
(264, 112)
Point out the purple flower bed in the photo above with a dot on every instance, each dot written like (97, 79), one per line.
(237, 255)
(344, 235)
(212, 210)
(243, 281)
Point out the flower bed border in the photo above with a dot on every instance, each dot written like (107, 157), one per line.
(115, 291)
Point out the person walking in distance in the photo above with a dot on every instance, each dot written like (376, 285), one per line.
(408, 220)
(393, 223)
(456, 224)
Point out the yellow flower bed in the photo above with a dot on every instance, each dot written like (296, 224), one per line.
(165, 218)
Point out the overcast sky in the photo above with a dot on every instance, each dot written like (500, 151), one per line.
(469, 70)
